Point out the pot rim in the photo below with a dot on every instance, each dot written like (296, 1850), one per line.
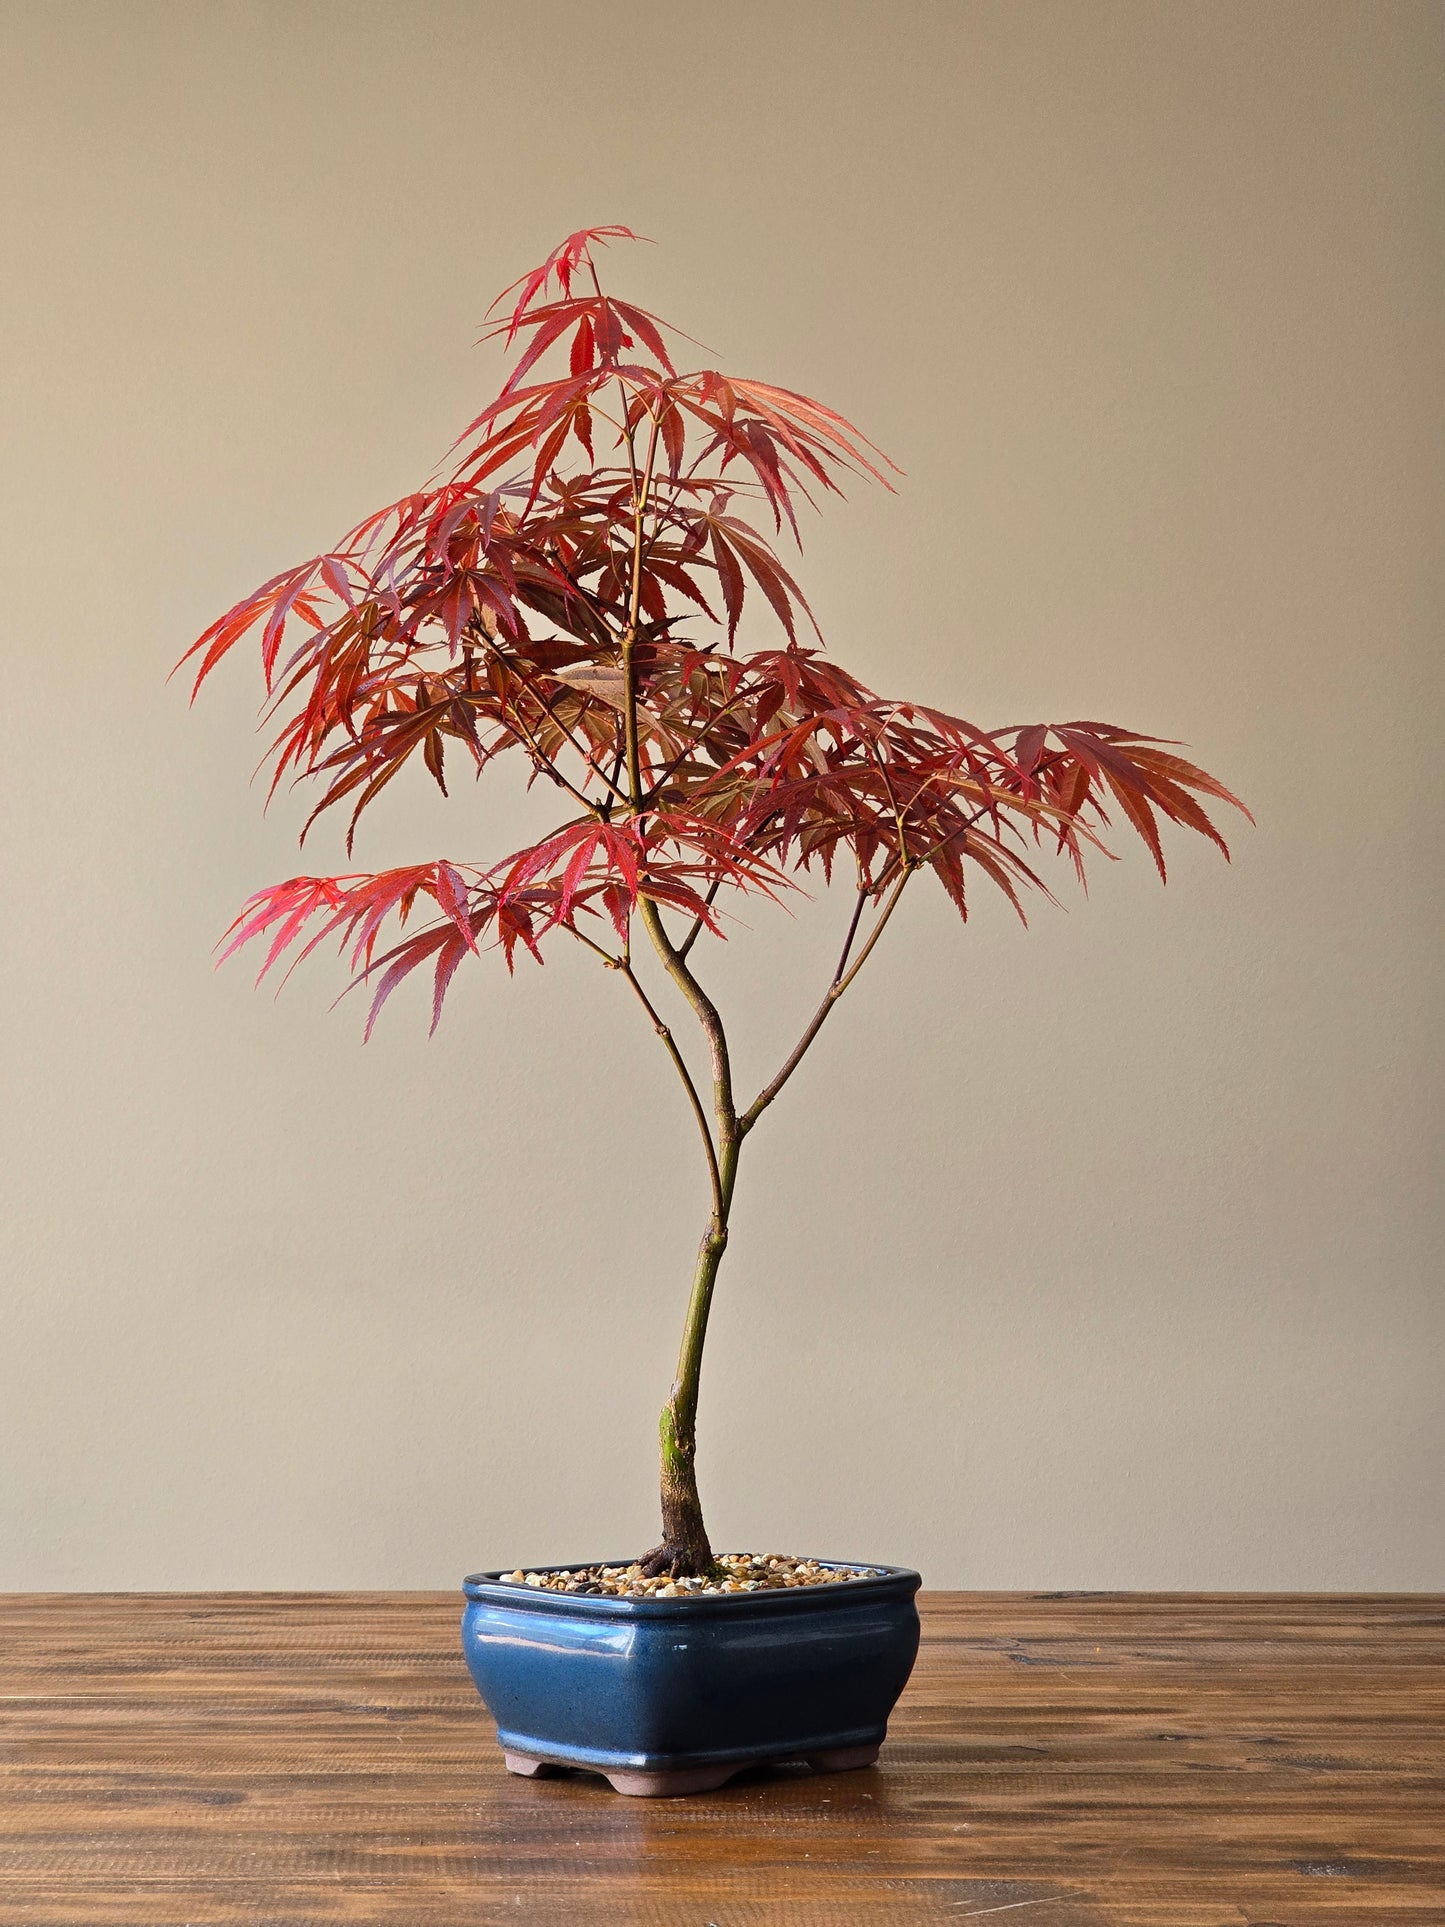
(884, 1582)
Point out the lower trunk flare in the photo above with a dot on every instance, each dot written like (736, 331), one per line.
(678, 1562)
(686, 1551)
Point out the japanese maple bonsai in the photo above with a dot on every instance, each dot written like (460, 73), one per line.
(570, 591)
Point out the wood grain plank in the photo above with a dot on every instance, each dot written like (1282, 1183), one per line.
(1083, 1760)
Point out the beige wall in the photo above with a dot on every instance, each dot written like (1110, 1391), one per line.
(1105, 1255)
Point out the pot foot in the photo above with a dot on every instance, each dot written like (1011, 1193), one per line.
(842, 1759)
(677, 1782)
(669, 1785)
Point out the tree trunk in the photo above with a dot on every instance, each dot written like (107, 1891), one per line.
(685, 1551)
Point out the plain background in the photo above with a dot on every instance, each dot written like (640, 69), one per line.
(1105, 1254)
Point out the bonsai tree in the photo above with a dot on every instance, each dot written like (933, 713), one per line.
(570, 592)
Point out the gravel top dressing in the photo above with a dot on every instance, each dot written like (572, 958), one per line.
(740, 1572)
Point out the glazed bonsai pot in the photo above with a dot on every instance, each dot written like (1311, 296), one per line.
(672, 1696)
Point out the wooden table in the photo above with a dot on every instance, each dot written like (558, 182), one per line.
(1167, 1761)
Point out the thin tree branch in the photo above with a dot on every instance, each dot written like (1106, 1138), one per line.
(724, 1110)
(695, 928)
(694, 744)
(864, 892)
(525, 680)
(724, 1113)
(612, 963)
(843, 976)
(672, 961)
(691, 938)
(629, 692)
(624, 964)
(547, 767)
(670, 1043)
(835, 990)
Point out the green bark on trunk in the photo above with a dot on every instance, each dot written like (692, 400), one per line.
(686, 1551)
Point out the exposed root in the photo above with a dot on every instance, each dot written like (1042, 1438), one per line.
(678, 1562)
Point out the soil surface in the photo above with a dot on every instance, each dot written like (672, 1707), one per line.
(735, 1572)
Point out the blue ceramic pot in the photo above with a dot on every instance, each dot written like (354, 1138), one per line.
(677, 1695)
